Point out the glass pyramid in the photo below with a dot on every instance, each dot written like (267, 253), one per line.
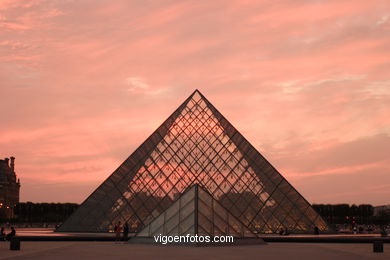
(195, 145)
(196, 212)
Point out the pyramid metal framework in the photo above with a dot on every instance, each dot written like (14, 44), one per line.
(195, 145)
(196, 212)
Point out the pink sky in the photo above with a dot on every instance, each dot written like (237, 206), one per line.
(83, 83)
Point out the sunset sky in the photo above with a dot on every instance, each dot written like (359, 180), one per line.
(84, 83)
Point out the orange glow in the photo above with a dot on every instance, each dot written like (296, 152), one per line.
(307, 83)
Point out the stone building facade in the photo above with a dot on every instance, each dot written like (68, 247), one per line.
(9, 188)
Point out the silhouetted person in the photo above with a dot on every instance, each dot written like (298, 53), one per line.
(316, 230)
(126, 232)
(283, 232)
(2, 234)
(383, 231)
(11, 234)
(117, 230)
(361, 230)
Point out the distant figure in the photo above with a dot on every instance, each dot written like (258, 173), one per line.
(11, 234)
(2, 234)
(361, 230)
(316, 230)
(126, 232)
(383, 231)
(283, 232)
(117, 230)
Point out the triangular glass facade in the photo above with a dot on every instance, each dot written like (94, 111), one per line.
(196, 145)
(196, 212)
(178, 219)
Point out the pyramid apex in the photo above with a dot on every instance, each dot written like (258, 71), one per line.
(196, 91)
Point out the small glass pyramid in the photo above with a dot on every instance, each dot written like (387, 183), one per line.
(196, 212)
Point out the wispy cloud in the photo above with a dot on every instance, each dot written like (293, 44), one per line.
(85, 83)
(136, 84)
(383, 19)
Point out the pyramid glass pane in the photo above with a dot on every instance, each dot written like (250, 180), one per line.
(196, 145)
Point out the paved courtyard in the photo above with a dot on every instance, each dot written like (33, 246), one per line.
(111, 250)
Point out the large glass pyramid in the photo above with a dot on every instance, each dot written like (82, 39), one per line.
(196, 212)
(195, 145)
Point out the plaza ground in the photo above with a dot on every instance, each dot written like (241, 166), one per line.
(112, 250)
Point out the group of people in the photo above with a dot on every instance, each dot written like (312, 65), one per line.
(4, 236)
(118, 229)
(285, 232)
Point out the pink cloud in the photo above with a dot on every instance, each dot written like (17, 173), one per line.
(84, 84)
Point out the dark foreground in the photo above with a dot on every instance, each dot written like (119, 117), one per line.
(112, 250)
(36, 234)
